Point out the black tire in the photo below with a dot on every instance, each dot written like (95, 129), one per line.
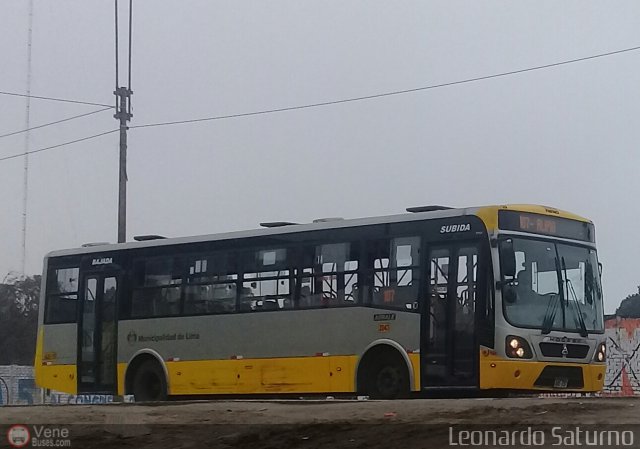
(149, 382)
(389, 380)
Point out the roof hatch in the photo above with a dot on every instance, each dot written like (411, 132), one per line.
(146, 238)
(328, 219)
(276, 224)
(431, 208)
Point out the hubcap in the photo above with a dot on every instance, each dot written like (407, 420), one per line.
(388, 381)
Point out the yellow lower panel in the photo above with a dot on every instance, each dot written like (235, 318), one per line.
(57, 377)
(415, 366)
(595, 374)
(122, 367)
(278, 375)
(522, 375)
(37, 362)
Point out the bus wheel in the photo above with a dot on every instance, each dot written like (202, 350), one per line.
(149, 383)
(390, 381)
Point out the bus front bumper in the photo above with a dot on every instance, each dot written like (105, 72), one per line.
(543, 376)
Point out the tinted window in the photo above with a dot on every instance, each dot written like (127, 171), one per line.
(62, 295)
(329, 276)
(157, 287)
(395, 266)
(266, 281)
(211, 284)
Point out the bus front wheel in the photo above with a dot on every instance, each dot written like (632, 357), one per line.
(149, 382)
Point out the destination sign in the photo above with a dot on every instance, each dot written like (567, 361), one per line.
(546, 225)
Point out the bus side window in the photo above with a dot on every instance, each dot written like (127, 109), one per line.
(266, 280)
(310, 291)
(157, 287)
(212, 284)
(62, 295)
(329, 276)
(405, 273)
(395, 265)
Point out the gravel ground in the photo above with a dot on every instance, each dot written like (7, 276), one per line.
(419, 423)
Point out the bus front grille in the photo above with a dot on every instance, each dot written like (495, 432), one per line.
(556, 350)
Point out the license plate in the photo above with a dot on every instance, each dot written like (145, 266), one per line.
(561, 382)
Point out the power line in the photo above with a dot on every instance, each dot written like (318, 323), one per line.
(40, 150)
(386, 94)
(324, 103)
(63, 100)
(55, 123)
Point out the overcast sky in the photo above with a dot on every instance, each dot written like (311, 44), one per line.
(565, 137)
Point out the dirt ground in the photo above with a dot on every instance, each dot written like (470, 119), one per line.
(417, 423)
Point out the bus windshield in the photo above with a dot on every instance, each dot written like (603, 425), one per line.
(556, 287)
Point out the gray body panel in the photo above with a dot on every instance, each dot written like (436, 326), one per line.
(63, 340)
(346, 331)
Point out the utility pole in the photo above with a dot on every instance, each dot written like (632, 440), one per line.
(123, 114)
(25, 186)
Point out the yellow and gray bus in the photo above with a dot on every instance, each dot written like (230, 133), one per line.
(485, 298)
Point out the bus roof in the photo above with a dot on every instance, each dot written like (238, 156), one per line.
(483, 212)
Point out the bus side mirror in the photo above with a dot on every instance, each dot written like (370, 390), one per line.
(600, 268)
(507, 258)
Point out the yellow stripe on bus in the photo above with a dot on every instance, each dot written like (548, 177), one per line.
(274, 375)
(58, 378)
(244, 376)
(277, 375)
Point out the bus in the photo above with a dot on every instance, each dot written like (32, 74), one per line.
(495, 298)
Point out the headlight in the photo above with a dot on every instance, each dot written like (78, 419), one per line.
(601, 353)
(518, 348)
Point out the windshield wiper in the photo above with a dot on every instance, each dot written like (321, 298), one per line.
(550, 314)
(570, 289)
(560, 288)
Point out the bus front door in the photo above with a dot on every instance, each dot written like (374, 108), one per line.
(448, 349)
(97, 334)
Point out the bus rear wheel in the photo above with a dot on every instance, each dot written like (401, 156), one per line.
(390, 381)
(149, 382)
(383, 374)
